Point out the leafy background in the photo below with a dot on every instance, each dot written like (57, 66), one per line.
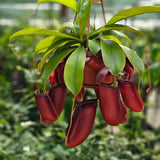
(22, 137)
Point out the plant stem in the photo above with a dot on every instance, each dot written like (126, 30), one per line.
(81, 36)
(75, 18)
(70, 124)
(149, 75)
(88, 32)
(33, 61)
(115, 79)
(103, 11)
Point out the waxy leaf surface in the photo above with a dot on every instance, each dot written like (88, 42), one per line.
(115, 27)
(44, 44)
(53, 63)
(57, 43)
(73, 72)
(94, 46)
(132, 12)
(41, 31)
(113, 56)
(135, 60)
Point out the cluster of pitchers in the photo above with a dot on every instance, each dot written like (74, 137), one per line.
(114, 95)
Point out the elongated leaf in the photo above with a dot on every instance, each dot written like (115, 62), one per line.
(73, 72)
(135, 60)
(53, 63)
(115, 27)
(132, 12)
(69, 3)
(41, 31)
(44, 44)
(83, 10)
(122, 35)
(113, 56)
(38, 31)
(113, 38)
(50, 49)
(94, 46)
(118, 33)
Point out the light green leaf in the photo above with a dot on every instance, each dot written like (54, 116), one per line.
(69, 3)
(113, 38)
(53, 63)
(115, 27)
(113, 56)
(41, 31)
(50, 49)
(132, 12)
(122, 35)
(73, 72)
(94, 46)
(135, 60)
(38, 31)
(44, 44)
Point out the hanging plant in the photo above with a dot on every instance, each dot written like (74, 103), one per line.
(86, 57)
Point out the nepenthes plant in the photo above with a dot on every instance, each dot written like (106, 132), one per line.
(77, 56)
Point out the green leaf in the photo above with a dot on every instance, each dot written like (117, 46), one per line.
(38, 31)
(69, 3)
(122, 35)
(73, 72)
(135, 60)
(132, 12)
(44, 44)
(115, 27)
(113, 38)
(83, 10)
(41, 31)
(53, 63)
(94, 46)
(113, 56)
(57, 43)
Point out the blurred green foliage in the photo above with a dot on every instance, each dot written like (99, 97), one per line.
(22, 137)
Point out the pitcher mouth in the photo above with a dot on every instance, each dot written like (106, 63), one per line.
(40, 94)
(109, 86)
(124, 81)
(91, 103)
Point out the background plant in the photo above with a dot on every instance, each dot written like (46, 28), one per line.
(23, 137)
